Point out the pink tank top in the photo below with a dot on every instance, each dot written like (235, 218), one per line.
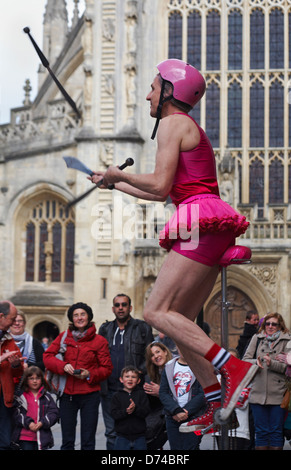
(196, 171)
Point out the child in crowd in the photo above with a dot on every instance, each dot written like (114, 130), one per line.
(35, 412)
(183, 399)
(129, 409)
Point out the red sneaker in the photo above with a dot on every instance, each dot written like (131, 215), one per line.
(235, 375)
(202, 421)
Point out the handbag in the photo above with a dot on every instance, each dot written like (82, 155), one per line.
(286, 400)
(55, 381)
(156, 432)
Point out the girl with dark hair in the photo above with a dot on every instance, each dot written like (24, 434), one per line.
(35, 412)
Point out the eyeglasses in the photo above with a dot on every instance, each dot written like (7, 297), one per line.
(122, 304)
(269, 323)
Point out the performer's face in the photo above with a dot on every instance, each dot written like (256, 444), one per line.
(121, 309)
(154, 96)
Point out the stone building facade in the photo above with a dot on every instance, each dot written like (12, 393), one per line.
(107, 243)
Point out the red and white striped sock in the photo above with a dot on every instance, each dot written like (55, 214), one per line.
(213, 392)
(217, 356)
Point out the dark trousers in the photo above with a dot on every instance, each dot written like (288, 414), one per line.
(28, 445)
(269, 422)
(88, 405)
(5, 424)
(178, 440)
(122, 443)
(108, 420)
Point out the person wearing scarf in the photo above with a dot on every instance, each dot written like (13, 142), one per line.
(85, 363)
(269, 385)
(30, 347)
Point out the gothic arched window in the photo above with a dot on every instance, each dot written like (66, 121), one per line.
(276, 120)
(213, 40)
(257, 39)
(30, 244)
(69, 258)
(212, 113)
(256, 179)
(235, 40)
(257, 115)
(175, 36)
(276, 39)
(50, 239)
(235, 115)
(43, 236)
(194, 39)
(57, 252)
(276, 182)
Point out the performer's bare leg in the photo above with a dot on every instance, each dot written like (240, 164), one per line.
(181, 289)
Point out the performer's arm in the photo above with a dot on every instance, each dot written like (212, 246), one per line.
(132, 191)
(156, 185)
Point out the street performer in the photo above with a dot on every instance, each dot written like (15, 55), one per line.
(185, 169)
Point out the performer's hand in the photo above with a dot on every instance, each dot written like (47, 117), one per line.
(113, 175)
(98, 176)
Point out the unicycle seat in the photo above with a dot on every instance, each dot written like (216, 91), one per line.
(236, 254)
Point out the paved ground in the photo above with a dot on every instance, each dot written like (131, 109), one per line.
(206, 444)
(207, 441)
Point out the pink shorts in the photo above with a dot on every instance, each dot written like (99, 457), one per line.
(210, 249)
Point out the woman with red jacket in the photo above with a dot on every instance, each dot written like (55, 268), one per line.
(86, 362)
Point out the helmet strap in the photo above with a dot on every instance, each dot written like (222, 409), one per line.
(159, 109)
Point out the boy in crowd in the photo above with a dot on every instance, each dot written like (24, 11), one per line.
(129, 409)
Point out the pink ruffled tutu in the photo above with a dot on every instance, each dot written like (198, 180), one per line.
(210, 214)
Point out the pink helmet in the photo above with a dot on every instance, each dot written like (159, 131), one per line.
(189, 85)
